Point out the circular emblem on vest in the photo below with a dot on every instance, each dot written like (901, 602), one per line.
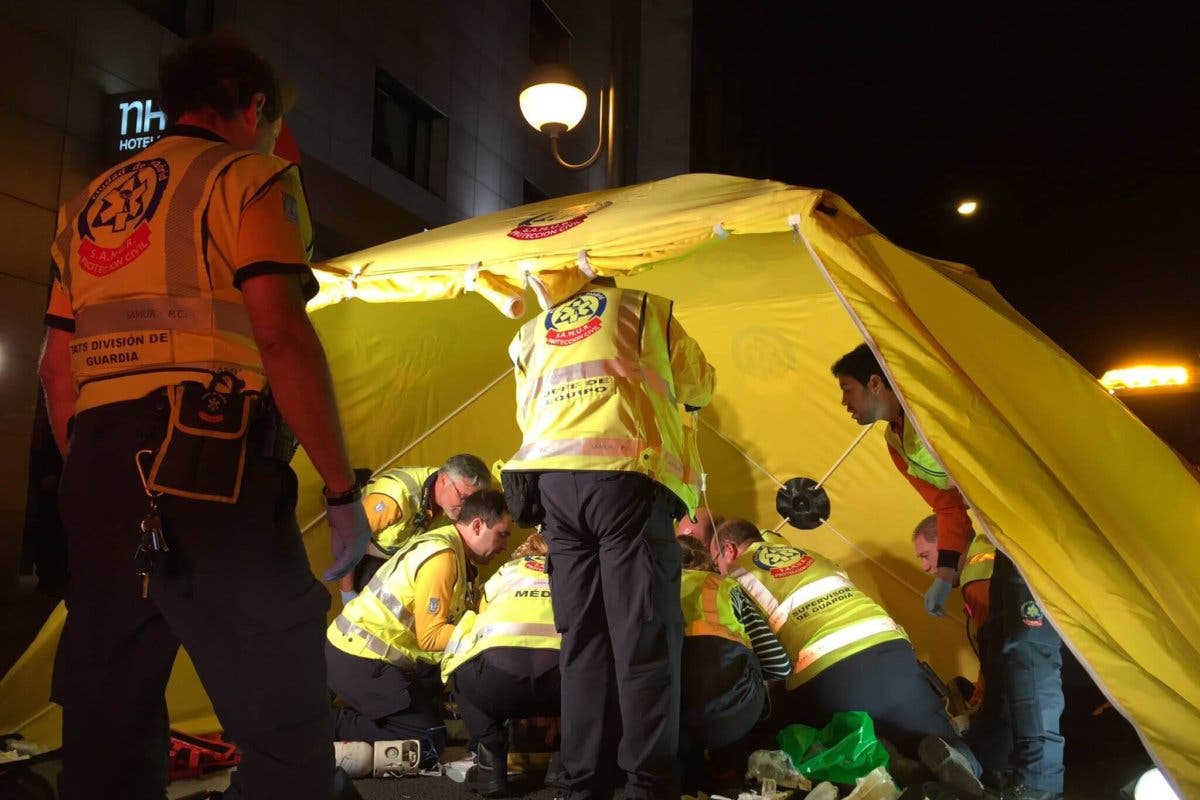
(782, 561)
(114, 225)
(1031, 615)
(552, 223)
(576, 319)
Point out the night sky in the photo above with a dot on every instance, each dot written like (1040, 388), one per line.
(1078, 130)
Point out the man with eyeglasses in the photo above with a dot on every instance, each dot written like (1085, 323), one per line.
(404, 501)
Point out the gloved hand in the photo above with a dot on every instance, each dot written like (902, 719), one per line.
(349, 531)
(348, 596)
(935, 597)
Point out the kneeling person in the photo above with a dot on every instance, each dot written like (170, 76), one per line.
(729, 653)
(383, 650)
(847, 653)
(504, 660)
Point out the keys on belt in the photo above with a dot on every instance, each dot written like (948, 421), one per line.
(152, 546)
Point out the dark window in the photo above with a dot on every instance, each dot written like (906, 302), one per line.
(532, 194)
(184, 17)
(406, 132)
(549, 40)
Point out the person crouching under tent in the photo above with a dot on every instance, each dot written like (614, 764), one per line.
(847, 653)
(1030, 647)
(729, 653)
(974, 581)
(383, 651)
(404, 501)
(504, 661)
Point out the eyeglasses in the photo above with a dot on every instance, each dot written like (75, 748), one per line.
(461, 495)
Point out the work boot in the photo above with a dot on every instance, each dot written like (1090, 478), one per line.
(489, 776)
(1022, 792)
(949, 766)
(904, 770)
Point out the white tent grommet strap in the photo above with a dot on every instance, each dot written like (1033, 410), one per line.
(471, 276)
(720, 231)
(585, 266)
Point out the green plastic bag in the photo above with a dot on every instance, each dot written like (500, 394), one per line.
(844, 750)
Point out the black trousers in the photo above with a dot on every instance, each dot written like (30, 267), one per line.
(614, 571)
(886, 682)
(384, 702)
(488, 697)
(236, 591)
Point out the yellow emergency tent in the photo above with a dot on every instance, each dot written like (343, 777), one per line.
(776, 282)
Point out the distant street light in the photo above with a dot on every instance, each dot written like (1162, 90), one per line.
(968, 207)
(553, 100)
(1144, 376)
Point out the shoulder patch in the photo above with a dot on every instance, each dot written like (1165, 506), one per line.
(435, 603)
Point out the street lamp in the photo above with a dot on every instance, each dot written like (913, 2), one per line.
(968, 207)
(553, 100)
(1146, 377)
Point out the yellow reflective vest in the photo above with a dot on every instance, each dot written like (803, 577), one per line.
(921, 463)
(599, 380)
(517, 613)
(379, 622)
(819, 616)
(981, 557)
(707, 608)
(149, 258)
(406, 486)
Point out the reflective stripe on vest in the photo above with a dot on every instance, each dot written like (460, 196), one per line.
(493, 629)
(149, 310)
(921, 463)
(518, 614)
(372, 643)
(709, 622)
(843, 638)
(379, 619)
(595, 390)
(388, 541)
(803, 595)
(818, 614)
(981, 557)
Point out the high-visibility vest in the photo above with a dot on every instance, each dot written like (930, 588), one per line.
(144, 265)
(819, 616)
(518, 613)
(981, 557)
(405, 485)
(707, 608)
(921, 462)
(379, 622)
(595, 390)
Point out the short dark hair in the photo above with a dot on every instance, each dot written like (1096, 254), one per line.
(694, 554)
(860, 364)
(737, 532)
(470, 468)
(220, 72)
(486, 504)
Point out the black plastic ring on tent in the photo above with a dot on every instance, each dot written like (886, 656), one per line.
(803, 503)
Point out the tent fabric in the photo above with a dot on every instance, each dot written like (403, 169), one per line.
(776, 282)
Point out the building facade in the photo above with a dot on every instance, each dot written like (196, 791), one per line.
(406, 118)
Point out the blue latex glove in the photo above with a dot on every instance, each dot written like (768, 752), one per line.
(349, 533)
(935, 597)
(348, 596)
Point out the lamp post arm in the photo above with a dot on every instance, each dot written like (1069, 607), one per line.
(595, 154)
